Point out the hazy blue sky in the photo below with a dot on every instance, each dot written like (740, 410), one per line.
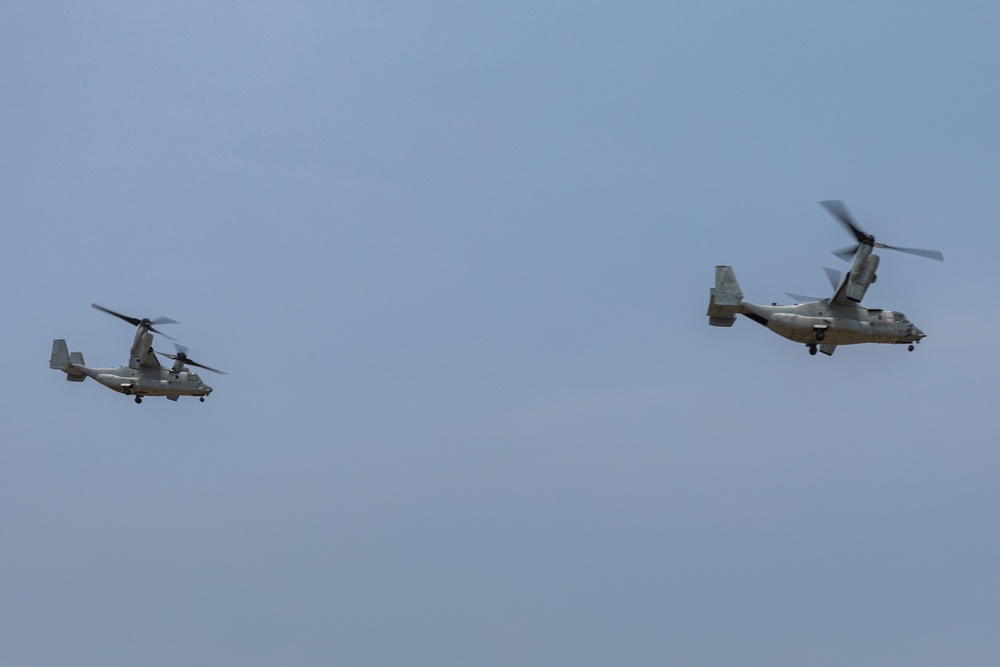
(456, 260)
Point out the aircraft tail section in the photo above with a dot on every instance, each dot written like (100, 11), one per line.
(63, 360)
(726, 300)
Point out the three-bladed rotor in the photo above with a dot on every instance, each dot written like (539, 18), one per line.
(839, 211)
(183, 359)
(139, 322)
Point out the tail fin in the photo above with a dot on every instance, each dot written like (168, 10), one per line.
(62, 360)
(726, 300)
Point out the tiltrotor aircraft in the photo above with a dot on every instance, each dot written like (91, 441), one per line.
(824, 324)
(144, 376)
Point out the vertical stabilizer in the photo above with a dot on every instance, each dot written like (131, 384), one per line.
(62, 360)
(726, 298)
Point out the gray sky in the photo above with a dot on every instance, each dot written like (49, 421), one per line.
(456, 261)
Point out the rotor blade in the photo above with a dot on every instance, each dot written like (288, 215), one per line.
(157, 331)
(207, 368)
(839, 211)
(181, 353)
(834, 276)
(801, 298)
(134, 321)
(847, 253)
(183, 358)
(929, 254)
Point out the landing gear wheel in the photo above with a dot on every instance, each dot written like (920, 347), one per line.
(812, 349)
(202, 399)
(127, 392)
(138, 399)
(910, 348)
(820, 335)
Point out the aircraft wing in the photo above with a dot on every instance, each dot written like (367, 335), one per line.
(149, 361)
(839, 297)
(842, 285)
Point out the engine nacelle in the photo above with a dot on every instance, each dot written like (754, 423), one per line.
(141, 348)
(862, 278)
(866, 276)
